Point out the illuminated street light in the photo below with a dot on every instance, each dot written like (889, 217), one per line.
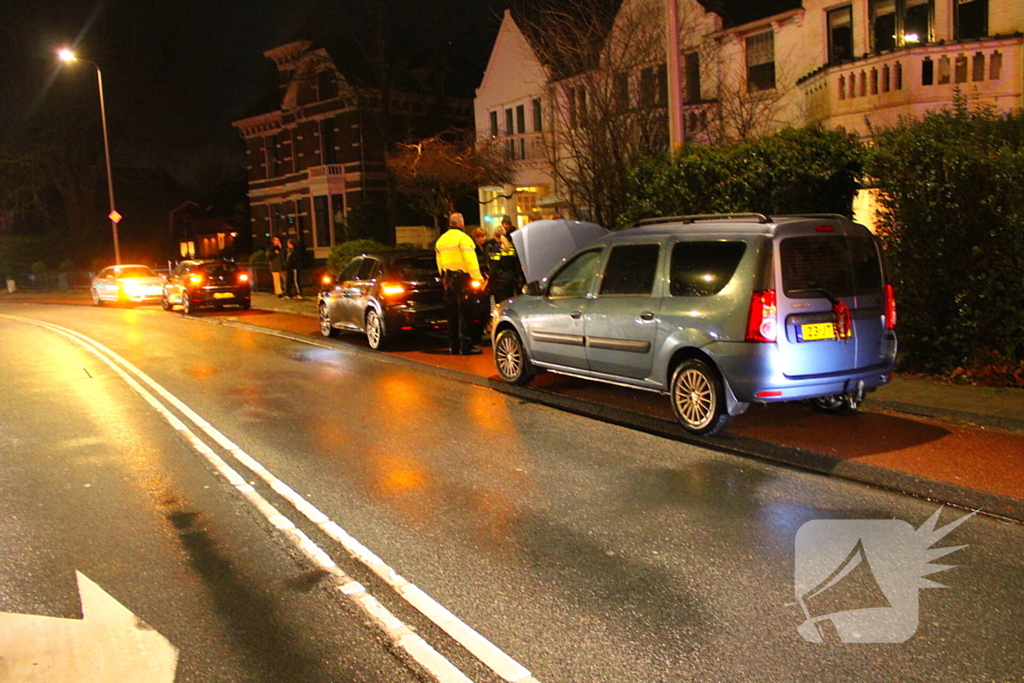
(68, 56)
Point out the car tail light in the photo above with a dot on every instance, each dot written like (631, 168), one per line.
(196, 279)
(762, 323)
(890, 308)
(392, 288)
(476, 284)
(243, 277)
(326, 280)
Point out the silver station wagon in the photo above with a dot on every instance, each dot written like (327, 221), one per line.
(716, 311)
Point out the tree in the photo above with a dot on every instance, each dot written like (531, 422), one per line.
(435, 173)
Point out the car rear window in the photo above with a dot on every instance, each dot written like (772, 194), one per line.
(815, 263)
(219, 269)
(631, 270)
(703, 268)
(414, 268)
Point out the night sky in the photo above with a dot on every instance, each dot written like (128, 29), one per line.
(177, 72)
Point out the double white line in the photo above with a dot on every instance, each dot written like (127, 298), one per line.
(400, 634)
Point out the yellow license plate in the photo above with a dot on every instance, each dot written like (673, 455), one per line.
(223, 295)
(816, 331)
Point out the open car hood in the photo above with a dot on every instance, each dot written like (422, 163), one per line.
(541, 245)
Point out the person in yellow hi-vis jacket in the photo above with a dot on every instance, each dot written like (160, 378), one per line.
(460, 273)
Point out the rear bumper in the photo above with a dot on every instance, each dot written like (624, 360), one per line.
(220, 296)
(753, 373)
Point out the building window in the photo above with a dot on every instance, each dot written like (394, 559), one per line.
(322, 216)
(494, 124)
(326, 85)
(840, 34)
(970, 19)
(622, 91)
(521, 119)
(538, 120)
(900, 23)
(761, 62)
(691, 70)
(883, 25)
(329, 154)
(662, 80)
(270, 145)
(647, 87)
(509, 123)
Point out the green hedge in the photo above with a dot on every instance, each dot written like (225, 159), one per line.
(953, 192)
(807, 170)
(343, 252)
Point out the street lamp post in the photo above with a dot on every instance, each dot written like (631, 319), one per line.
(69, 56)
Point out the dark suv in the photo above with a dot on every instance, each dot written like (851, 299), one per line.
(716, 311)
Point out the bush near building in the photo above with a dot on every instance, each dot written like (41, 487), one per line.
(952, 195)
(343, 252)
(806, 170)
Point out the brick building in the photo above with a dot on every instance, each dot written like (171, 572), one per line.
(322, 152)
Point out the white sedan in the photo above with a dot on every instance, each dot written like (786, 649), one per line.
(126, 284)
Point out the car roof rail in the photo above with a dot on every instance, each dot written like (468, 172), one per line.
(813, 215)
(759, 217)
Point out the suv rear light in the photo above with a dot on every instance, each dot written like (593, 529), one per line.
(392, 288)
(762, 323)
(196, 278)
(243, 277)
(890, 308)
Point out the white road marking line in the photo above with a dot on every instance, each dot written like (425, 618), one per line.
(488, 653)
(435, 664)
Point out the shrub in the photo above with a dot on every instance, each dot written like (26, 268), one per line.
(67, 266)
(258, 256)
(38, 267)
(952, 195)
(807, 170)
(344, 252)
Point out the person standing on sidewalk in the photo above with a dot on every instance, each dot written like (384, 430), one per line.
(506, 273)
(275, 258)
(293, 262)
(459, 268)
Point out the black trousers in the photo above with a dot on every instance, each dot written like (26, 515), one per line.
(293, 286)
(460, 320)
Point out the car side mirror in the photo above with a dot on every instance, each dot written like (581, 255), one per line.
(532, 289)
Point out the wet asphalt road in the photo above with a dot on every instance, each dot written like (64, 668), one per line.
(585, 551)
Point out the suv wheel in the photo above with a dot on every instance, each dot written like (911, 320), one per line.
(698, 399)
(326, 328)
(511, 360)
(186, 303)
(165, 302)
(376, 334)
(96, 300)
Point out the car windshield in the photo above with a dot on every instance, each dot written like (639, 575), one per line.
(218, 269)
(414, 268)
(135, 271)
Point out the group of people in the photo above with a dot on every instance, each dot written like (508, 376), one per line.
(285, 265)
(470, 264)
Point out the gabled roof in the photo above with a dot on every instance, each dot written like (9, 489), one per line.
(739, 12)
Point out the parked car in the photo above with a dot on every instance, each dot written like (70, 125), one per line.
(197, 283)
(387, 294)
(126, 284)
(716, 311)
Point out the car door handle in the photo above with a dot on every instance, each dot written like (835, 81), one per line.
(576, 315)
(647, 315)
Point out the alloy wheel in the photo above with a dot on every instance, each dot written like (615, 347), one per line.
(695, 398)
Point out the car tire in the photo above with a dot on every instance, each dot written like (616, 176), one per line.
(698, 399)
(187, 307)
(836, 404)
(510, 359)
(96, 300)
(165, 303)
(376, 333)
(245, 305)
(326, 328)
